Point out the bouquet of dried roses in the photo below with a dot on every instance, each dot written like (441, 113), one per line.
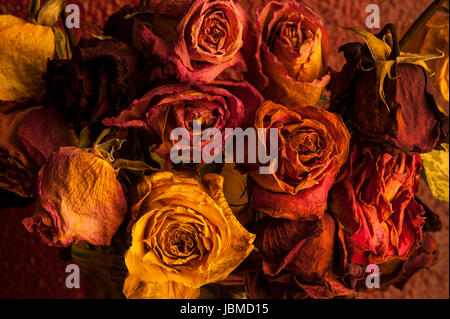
(147, 147)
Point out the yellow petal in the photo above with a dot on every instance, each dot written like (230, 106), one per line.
(241, 240)
(235, 188)
(25, 49)
(134, 288)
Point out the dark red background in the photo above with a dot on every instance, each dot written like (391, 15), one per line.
(30, 269)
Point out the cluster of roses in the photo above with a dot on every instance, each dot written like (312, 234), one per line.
(337, 202)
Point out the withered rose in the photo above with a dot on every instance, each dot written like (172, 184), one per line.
(409, 120)
(299, 259)
(79, 199)
(225, 105)
(102, 78)
(29, 135)
(184, 236)
(195, 41)
(25, 49)
(376, 207)
(313, 145)
(292, 53)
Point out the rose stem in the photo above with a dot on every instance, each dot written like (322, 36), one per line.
(420, 22)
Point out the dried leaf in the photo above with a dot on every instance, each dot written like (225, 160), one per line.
(436, 165)
(50, 12)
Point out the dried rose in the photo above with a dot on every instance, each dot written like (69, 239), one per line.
(29, 135)
(298, 260)
(313, 145)
(431, 39)
(387, 96)
(225, 105)
(26, 48)
(195, 41)
(184, 236)
(376, 206)
(80, 199)
(102, 78)
(292, 53)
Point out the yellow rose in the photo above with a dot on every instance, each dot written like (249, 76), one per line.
(25, 49)
(184, 236)
(432, 38)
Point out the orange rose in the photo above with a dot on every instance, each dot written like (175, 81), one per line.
(184, 236)
(313, 145)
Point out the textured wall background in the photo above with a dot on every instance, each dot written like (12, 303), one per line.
(29, 269)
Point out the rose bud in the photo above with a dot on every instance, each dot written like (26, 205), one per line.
(184, 235)
(313, 145)
(102, 78)
(292, 54)
(79, 199)
(193, 41)
(376, 206)
(30, 134)
(431, 39)
(25, 49)
(299, 260)
(160, 111)
(386, 96)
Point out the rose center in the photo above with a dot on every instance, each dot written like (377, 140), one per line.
(292, 34)
(181, 242)
(214, 31)
(207, 119)
(308, 143)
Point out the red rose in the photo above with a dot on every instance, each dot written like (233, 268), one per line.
(225, 105)
(376, 206)
(194, 41)
(408, 117)
(298, 259)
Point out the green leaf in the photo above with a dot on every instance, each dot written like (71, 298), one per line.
(62, 45)
(417, 58)
(155, 157)
(436, 166)
(209, 168)
(83, 140)
(132, 165)
(99, 37)
(33, 9)
(49, 13)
